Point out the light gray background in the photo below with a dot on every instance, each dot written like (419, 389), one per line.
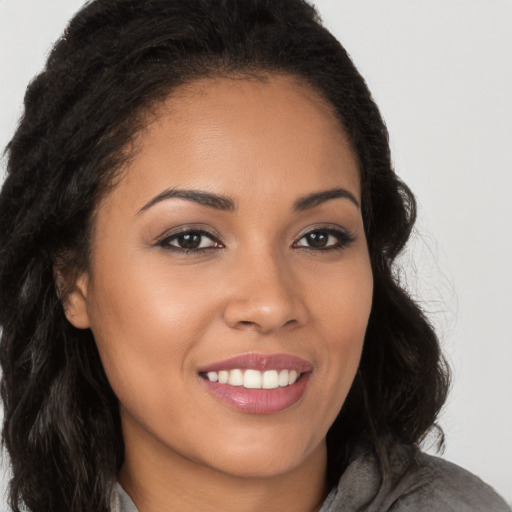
(441, 72)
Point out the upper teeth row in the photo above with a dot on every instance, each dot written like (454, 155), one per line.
(254, 379)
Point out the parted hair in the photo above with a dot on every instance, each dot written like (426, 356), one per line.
(113, 65)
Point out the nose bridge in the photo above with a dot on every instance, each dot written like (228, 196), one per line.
(265, 296)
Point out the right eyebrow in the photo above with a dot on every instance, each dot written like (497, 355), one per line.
(197, 196)
(317, 198)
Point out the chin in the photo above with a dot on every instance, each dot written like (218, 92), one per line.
(265, 459)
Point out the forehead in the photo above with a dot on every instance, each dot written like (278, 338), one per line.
(266, 137)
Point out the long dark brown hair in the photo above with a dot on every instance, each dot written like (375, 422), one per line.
(115, 62)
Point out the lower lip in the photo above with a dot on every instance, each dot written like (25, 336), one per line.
(259, 401)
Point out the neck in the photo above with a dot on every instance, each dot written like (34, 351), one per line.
(159, 480)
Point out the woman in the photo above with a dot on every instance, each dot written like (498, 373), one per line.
(198, 306)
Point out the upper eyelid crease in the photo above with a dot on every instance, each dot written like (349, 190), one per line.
(180, 232)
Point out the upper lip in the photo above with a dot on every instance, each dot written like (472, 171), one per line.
(260, 362)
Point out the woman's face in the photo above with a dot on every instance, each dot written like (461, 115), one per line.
(232, 248)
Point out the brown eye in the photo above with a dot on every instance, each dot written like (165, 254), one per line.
(190, 241)
(324, 239)
(317, 239)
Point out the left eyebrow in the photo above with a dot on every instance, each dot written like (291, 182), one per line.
(317, 198)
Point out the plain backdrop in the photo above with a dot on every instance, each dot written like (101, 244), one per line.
(441, 73)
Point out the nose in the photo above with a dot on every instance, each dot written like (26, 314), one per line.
(265, 296)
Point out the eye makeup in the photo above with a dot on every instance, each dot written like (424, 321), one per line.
(194, 239)
(325, 238)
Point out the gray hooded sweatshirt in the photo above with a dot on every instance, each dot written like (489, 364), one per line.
(414, 482)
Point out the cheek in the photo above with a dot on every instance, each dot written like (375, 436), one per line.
(145, 302)
(342, 313)
(145, 322)
(343, 298)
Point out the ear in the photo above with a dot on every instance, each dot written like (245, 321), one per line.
(74, 300)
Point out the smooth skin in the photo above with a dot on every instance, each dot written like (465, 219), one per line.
(255, 272)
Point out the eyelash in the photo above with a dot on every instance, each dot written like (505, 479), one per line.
(344, 240)
(166, 241)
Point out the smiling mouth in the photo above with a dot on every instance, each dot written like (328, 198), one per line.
(258, 399)
(258, 383)
(254, 379)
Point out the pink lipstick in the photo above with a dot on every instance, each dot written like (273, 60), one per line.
(257, 383)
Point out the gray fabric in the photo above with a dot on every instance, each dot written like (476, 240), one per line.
(414, 482)
(121, 502)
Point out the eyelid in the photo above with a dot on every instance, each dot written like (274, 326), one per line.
(184, 229)
(345, 237)
(322, 226)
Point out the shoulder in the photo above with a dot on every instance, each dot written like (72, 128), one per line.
(412, 481)
(447, 486)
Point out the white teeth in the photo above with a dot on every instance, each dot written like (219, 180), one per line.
(270, 380)
(236, 378)
(254, 379)
(213, 376)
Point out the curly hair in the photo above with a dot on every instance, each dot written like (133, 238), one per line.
(115, 62)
